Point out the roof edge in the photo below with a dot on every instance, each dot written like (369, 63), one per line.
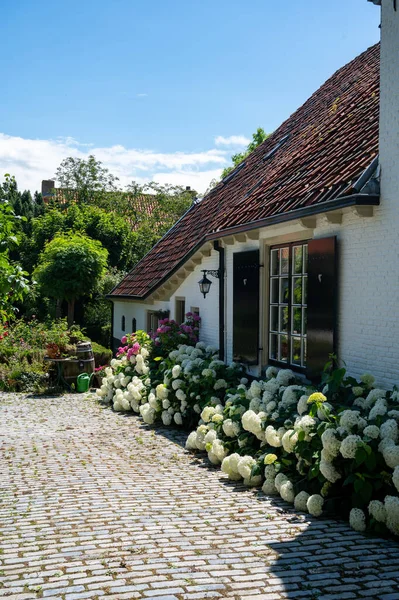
(338, 203)
(300, 213)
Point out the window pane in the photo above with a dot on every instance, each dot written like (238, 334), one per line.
(305, 291)
(273, 318)
(274, 285)
(305, 258)
(296, 325)
(283, 350)
(297, 262)
(283, 318)
(296, 351)
(284, 290)
(305, 321)
(274, 263)
(284, 261)
(297, 290)
(273, 346)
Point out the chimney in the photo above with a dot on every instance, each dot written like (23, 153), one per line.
(47, 187)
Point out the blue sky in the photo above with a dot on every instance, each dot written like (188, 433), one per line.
(157, 89)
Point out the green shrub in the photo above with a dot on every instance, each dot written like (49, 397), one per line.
(102, 355)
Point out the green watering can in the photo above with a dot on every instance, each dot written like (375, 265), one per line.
(83, 382)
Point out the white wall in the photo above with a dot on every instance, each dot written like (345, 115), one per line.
(189, 290)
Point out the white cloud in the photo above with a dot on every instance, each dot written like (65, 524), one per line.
(141, 95)
(32, 160)
(232, 140)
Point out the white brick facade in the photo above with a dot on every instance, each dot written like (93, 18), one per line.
(368, 307)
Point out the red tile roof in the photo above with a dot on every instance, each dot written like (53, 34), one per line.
(331, 140)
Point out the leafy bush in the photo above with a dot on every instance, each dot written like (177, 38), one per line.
(22, 350)
(170, 334)
(333, 450)
(102, 356)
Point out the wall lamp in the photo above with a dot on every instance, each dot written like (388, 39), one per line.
(205, 283)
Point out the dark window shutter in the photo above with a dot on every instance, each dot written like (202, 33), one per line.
(246, 306)
(134, 326)
(322, 301)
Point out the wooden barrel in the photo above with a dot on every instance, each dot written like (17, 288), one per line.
(84, 363)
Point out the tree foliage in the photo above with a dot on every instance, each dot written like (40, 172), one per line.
(70, 267)
(257, 138)
(13, 283)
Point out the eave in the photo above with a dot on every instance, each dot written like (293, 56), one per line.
(354, 200)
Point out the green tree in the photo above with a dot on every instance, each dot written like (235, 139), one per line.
(257, 138)
(84, 181)
(70, 267)
(13, 283)
(38, 204)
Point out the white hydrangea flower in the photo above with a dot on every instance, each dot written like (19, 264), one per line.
(230, 466)
(289, 440)
(271, 372)
(217, 418)
(357, 391)
(231, 428)
(272, 437)
(379, 409)
(287, 492)
(244, 466)
(302, 405)
(349, 446)
(372, 431)
(271, 386)
(300, 501)
(323, 410)
(377, 511)
(285, 376)
(390, 452)
(279, 480)
(180, 395)
(350, 419)
(367, 379)
(394, 414)
(147, 414)
(269, 488)
(217, 452)
(176, 371)
(357, 519)
(305, 423)
(178, 418)
(167, 420)
(210, 437)
(161, 392)
(177, 384)
(389, 429)
(220, 384)
(290, 396)
(330, 442)
(327, 469)
(208, 413)
(253, 481)
(314, 505)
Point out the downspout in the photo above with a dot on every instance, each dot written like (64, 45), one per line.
(112, 325)
(221, 251)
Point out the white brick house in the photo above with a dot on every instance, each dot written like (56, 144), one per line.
(312, 190)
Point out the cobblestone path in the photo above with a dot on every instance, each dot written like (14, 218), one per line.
(94, 504)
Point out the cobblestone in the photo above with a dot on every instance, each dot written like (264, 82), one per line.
(94, 504)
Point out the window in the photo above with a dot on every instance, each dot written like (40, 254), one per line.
(180, 312)
(195, 310)
(134, 325)
(152, 320)
(123, 323)
(288, 304)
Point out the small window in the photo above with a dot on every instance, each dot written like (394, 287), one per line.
(134, 325)
(123, 324)
(195, 310)
(288, 304)
(180, 310)
(152, 321)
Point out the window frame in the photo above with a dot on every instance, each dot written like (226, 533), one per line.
(271, 361)
(150, 315)
(178, 300)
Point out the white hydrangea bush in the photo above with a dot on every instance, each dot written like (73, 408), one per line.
(127, 380)
(335, 451)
